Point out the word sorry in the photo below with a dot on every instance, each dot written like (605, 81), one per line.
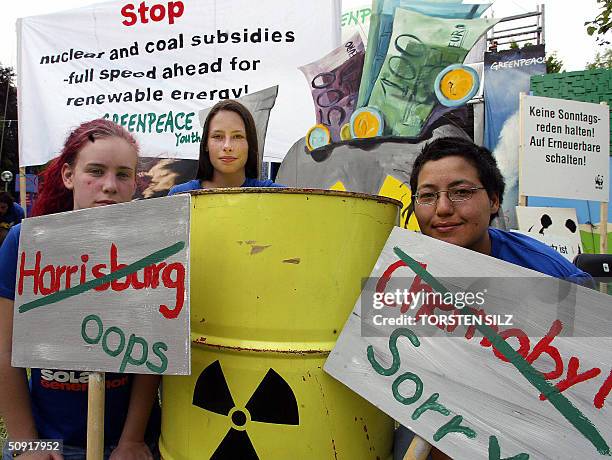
(430, 404)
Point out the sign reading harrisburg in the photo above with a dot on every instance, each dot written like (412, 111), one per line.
(570, 141)
(152, 67)
(97, 290)
(482, 358)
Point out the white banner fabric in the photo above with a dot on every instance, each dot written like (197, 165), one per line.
(152, 67)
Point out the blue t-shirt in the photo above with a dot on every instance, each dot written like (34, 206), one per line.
(13, 216)
(59, 397)
(529, 253)
(195, 184)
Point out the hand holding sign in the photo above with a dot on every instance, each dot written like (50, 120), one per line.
(137, 315)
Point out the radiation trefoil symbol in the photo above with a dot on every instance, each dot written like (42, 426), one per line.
(272, 402)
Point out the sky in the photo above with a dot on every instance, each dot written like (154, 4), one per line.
(564, 24)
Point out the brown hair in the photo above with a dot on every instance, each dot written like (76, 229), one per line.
(251, 169)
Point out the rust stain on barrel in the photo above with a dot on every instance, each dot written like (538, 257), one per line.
(258, 249)
(295, 260)
(203, 341)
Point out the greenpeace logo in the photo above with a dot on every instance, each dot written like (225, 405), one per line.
(517, 63)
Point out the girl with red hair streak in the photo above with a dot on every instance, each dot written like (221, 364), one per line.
(97, 167)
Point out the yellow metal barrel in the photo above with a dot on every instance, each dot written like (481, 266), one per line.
(274, 275)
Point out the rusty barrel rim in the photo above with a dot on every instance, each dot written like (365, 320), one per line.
(297, 191)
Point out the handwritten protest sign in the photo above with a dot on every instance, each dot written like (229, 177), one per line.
(98, 291)
(556, 227)
(152, 66)
(569, 140)
(527, 375)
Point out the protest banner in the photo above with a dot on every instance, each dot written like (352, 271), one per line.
(562, 245)
(570, 140)
(355, 18)
(470, 366)
(98, 291)
(152, 67)
(552, 224)
(507, 73)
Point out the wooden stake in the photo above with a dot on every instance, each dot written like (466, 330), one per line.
(95, 416)
(603, 227)
(521, 152)
(418, 450)
(22, 189)
(603, 236)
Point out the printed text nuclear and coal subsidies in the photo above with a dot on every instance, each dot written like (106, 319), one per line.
(178, 123)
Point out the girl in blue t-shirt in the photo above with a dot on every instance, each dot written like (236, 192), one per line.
(96, 167)
(229, 154)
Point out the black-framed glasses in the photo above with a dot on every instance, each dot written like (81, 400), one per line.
(453, 194)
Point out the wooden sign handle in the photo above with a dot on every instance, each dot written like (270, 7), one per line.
(22, 189)
(418, 450)
(95, 416)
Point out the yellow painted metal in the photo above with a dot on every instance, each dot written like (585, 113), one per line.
(274, 275)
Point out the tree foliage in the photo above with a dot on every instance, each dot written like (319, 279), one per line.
(553, 63)
(602, 60)
(601, 25)
(8, 122)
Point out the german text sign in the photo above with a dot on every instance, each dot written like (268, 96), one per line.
(566, 149)
(482, 358)
(105, 289)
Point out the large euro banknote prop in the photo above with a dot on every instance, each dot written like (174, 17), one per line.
(334, 82)
(420, 48)
(381, 29)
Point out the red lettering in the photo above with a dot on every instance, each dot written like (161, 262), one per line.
(155, 270)
(471, 329)
(97, 272)
(158, 12)
(59, 272)
(116, 285)
(603, 392)
(72, 269)
(84, 259)
(381, 285)
(524, 343)
(23, 272)
(133, 278)
(142, 10)
(126, 12)
(485, 342)
(53, 285)
(543, 346)
(419, 286)
(573, 377)
(178, 284)
(175, 10)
